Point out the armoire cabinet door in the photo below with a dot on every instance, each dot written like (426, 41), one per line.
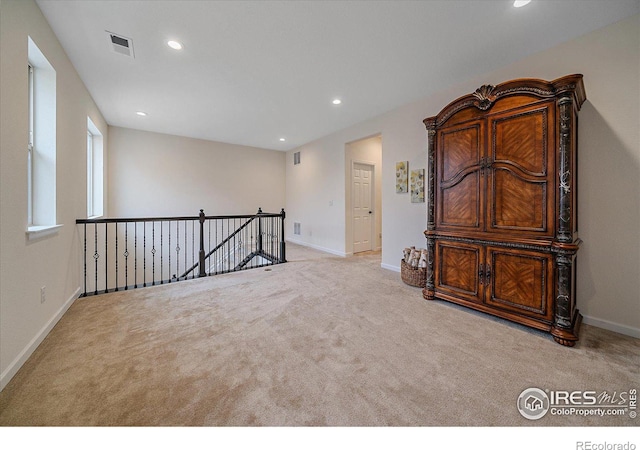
(458, 270)
(460, 183)
(520, 281)
(521, 196)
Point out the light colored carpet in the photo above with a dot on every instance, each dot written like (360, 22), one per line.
(320, 340)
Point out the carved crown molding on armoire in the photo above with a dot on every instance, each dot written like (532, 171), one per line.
(502, 228)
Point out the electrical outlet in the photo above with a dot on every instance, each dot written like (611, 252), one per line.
(43, 294)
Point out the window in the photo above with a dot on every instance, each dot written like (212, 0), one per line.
(41, 143)
(30, 151)
(94, 171)
(89, 173)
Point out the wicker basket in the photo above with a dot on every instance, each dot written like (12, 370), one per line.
(413, 276)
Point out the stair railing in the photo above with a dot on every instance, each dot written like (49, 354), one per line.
(128, 253)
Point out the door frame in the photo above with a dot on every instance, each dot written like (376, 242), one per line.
(364, 150)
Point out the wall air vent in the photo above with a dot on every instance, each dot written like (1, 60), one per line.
(296, 228)
(296, 158)
(121, 44)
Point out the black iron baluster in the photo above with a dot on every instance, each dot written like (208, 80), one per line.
(237, 259)
(144, 254)
(264, 225)
(221, 259)
(177, 249)
(241, 247)
(252, 229)
(280, 240)
(126, 256)
(217, 254)
(116, 256)
(106, 249)
(193, 247)
(96, 255)
(186, 248)
(161, 254)
(276, 240)
(276, 233)
(135, 255)
(271, 230)
(85, 259)
(270, 226)
(259, 243)
(269, 234)
(153, 253)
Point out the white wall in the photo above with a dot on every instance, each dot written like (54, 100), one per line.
(153, 174)
(609, 170)
(52, 261)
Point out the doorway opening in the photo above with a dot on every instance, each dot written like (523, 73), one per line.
(363, 189)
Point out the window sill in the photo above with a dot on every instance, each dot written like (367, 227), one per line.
(39, 231)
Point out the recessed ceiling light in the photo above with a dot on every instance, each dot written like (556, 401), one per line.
(521, 3)
(141, 113)
(336, 101)
(175, 45)
(282, 139)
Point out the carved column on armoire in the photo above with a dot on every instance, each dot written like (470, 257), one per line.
(429, 290)
(565, 325)
(565, 175)
(564, 329)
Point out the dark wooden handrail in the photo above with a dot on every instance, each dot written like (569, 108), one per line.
(177, 218)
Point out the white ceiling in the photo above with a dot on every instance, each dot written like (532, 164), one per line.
(252, 72)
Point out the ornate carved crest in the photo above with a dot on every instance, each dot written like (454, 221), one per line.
(485, 97)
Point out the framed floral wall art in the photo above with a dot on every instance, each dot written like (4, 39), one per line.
(417, 186)
(402, 170)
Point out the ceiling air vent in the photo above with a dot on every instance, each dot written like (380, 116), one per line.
(121, 44)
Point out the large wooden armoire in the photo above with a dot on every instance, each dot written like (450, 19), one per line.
(502, 228)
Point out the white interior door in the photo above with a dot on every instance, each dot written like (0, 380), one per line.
(362, 207)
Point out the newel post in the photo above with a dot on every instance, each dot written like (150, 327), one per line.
(203, 271)
(283, 250)
(259, 237)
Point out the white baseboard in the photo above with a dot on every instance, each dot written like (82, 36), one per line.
(317, 247)
(17, 363)
(612, 326)
(390, 267)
